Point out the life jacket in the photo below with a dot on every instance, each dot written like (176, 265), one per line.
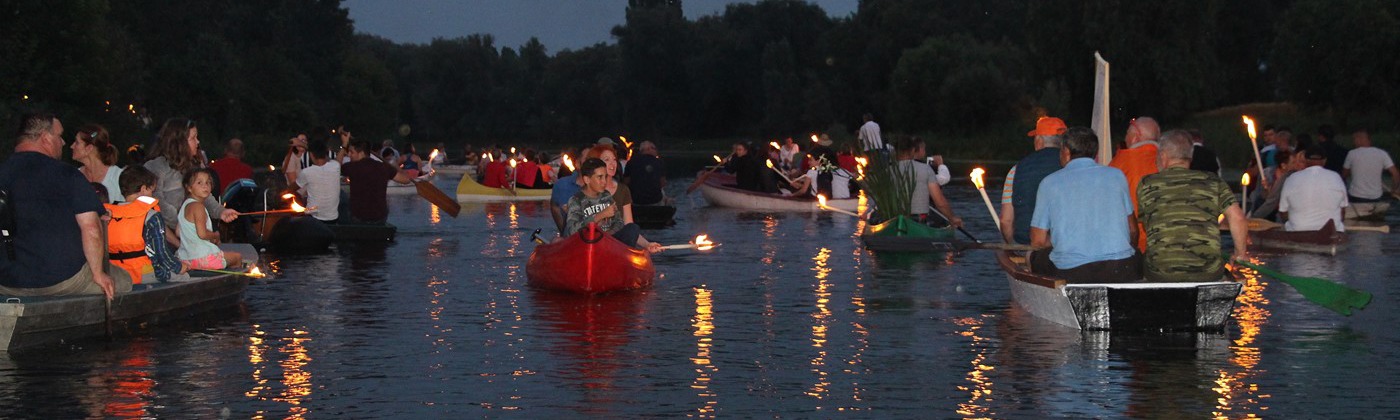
(495, 176)
(125, 244)
(526, 173)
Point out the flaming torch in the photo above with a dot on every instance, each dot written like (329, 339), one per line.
(814, 138)
(821, 203)
(780, 173)
(981, 188)
(1244, 193)
(569, 163)
(1258, 161)
(701, 243)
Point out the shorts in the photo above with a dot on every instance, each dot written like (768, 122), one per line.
(213, 261)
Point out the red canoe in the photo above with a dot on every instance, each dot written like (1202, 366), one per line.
(589, 262)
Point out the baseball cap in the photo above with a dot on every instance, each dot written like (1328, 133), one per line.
(1315, 152)
(1047, 126)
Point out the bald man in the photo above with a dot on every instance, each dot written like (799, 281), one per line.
(1138, 160)
(1180, 209)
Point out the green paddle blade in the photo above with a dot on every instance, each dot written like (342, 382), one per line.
(1331, 295)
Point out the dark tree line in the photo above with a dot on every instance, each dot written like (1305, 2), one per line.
(264, 69)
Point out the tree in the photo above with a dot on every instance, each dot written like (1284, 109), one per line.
(1329, 55)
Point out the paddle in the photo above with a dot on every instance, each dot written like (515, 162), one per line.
(701, 179)
(1331, 295)
(998, 246)
(536, 237)
(434, 195)
(1263, 224)
(950, 221)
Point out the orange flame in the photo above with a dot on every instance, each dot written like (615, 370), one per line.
(297, 207)
(770, 163)
(774, 144)
(977, 177)
(433, 155)
(625, 143)
(512, 150)
(814, 138)
(255, 273)
(287, 195)
(1249, 126)
(717, 159)
(569, 163)
(703, 243)
(512, 162)
(1244, 180)
(821, 200)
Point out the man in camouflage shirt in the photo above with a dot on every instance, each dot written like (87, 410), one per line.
(1180, 211)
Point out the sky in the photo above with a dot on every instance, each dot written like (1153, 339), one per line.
(559, 24)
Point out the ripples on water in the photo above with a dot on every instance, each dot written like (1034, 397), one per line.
(789, 317)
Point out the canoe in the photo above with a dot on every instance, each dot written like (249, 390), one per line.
(298, 234)
(1326, 241)
(718, 189)
(363, 233)
(654, 217)
(905, 234)
(470, 191)
(1157, 307)
(28, 322)
(589, 262)
(455, 169)
(1374, 212)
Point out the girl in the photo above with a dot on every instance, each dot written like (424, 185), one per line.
(197, 238)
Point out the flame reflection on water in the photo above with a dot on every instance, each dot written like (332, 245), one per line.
(703, 322)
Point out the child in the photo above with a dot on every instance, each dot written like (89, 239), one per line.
(594, 204)
(197, 237)
(136, 236)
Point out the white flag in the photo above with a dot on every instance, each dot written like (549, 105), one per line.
(1100, 120)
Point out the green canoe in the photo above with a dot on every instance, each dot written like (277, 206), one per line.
(904, 234)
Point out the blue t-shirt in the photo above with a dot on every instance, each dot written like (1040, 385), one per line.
(1085, 206)
(564, 189)
(46, 195)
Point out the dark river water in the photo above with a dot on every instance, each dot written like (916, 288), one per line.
(791, 317)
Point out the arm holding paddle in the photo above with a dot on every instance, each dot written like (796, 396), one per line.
(941, 203)
(1239, 230)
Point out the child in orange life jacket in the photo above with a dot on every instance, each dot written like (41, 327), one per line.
(136, 236)
(197, 235)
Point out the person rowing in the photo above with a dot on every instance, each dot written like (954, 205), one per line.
(926, 188)
(1180, 211)
(594, 204)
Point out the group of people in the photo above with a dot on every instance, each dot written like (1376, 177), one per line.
(604, 190)
(1324, 177)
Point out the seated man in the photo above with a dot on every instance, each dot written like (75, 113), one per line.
(1023, 180)
(594, 204)
(1313, 195)
(926, 188)
(1180, 209)
(136, 235)
(369, 181)
(1363, 168)
(320, 184)
(1084, 212)
(564, 189)
(646, 176)
(58, 244)
(747, 168)
(1138, 160)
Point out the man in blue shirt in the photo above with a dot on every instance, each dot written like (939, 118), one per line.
(1085, 213)
(564, 189)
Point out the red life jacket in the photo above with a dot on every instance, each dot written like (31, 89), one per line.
(495, 176)
(526, 172)
(126, 246)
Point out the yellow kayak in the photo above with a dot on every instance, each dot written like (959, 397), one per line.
(470, 191)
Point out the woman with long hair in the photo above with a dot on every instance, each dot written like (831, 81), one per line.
(622, 196)
(177, 152)
(92, 147)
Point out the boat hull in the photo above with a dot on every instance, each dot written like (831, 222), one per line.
(470, 191)
(1325, 241)
(716, 191)
(1123, 306)
(589, 262)
(903, 234)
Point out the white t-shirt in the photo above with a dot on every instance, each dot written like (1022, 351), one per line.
(321, 184)
(787, 153)
(870, 136)
(1311, 197)
(840, 184)
(1366, 165)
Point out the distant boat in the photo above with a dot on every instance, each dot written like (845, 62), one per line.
(470, 191)
(718, 190)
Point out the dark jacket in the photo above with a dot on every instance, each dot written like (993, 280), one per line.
(1029, 172)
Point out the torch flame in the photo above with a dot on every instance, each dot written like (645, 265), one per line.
(814, 138)
(774, 144)
(512, 162)
(255, 273)
(287, 195)
(625, 143)
(512, 150)
(1249, 126)
(862, 161)
(297, 207)
(703, 243)
(821, 200)
(977, 177)
(569, 163)
(770, 163)
(433, 155)
(717, 159)
(271, 168)
(1244, 180)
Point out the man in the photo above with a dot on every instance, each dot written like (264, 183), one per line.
(58, 244)
(869, 135)
(320, 184)
(1139, 159)
(1363, 167)
(1018, 193)
(1181, 209)
(231, 167)
(594, 204)
(926, 186)
(1202, 158)
(1084, 212)
(1313, 196)
(646, 176)
(369, 179)
(296, 158)
(564, 189)
(1336, 153)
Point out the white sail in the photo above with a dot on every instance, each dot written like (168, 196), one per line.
(1100, 122)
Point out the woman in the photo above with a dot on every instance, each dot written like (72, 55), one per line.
(622, 196)
(177, 152)
(93, 148)
(412, 164)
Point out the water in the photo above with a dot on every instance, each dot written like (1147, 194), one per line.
(790, 317)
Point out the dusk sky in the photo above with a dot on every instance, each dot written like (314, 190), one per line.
(559, 24)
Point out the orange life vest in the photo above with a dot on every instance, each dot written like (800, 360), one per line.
(126, 246)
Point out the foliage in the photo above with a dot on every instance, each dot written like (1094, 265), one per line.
(888, 184)
(1328, 55)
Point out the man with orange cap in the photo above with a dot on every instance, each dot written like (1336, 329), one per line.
(1137, 161)
(1019, 192)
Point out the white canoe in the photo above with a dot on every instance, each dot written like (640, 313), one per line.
(717, 191)
(1367, 211)
(1122, 306)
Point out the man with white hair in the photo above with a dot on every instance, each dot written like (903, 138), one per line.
(1180, 209)
(1138, 160)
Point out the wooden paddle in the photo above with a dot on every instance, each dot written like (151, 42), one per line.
(701, 179)
(434, 195)
(1329, 294)
(997, 246)
(1264, 224)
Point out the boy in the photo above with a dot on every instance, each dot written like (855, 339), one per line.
(136, 235)
(594, 204)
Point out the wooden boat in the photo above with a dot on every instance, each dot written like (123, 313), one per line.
(1374, 212)
(470, 191)
(359, 232)
(455, 169)
(37, 321)
(1121, 306)
(298, 234)
(589, 262)
(905, 234)
(718, 189)
(654, 217)
(1323, 241)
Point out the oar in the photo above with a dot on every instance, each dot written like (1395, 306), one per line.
(1264, 224)
(434, 195)
(950, 222)
(701, 179)
(1329, 294)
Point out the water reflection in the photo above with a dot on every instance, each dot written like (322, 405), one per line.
(295, 378)
(1237, 392)
(594, 332)
(704, 325)
(979, 387)
(132, 387)
(820, 324)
